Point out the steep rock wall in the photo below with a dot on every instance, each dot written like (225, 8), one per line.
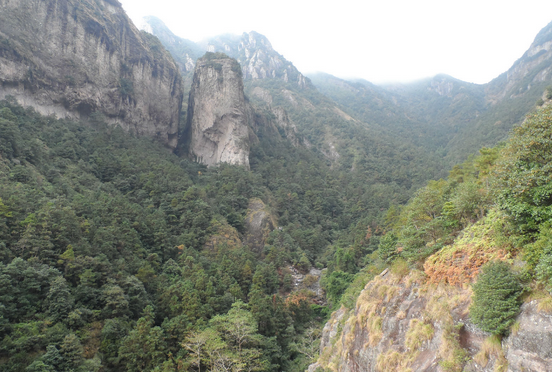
(72, 58)
(405, 324)
(218, 121)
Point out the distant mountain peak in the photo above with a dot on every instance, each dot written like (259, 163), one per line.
(252, 50)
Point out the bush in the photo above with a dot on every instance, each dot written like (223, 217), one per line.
(496, 298)
(335, 284)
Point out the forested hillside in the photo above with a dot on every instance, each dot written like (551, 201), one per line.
(469, 282)
(110, 242)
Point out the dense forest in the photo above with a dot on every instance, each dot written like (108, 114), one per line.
(479, 242)
(118, 255)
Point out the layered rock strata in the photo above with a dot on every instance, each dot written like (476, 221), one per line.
(218, 121)
(73, 58)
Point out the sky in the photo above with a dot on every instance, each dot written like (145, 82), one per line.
(381, 41)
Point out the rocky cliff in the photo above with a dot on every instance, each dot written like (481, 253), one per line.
(219, 118)
(252, 50)
(532, 70)
(184, 51)
(258, 224)
(78, 57)
(405, 324)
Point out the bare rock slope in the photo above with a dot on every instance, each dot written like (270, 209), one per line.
(406, 324)
(72, 58)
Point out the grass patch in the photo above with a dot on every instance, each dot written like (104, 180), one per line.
(400, 268)
(392, 360)
(492, 346)
(515, 328)
(418, 333)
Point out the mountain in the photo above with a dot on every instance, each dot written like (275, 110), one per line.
(279, 203)
(445, 114)
(77, 58)
(445, 289)
(252, 50)
(276, 89)
(185, 52)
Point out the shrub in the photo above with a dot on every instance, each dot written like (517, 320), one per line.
(496, 298)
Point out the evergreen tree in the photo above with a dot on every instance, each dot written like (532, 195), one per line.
(496, 298)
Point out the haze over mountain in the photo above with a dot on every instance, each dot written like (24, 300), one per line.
(397, 41)
(443, 115)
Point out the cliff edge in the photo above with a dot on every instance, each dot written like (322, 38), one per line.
(78, 57)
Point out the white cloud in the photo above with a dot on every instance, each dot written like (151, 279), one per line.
(400, 40)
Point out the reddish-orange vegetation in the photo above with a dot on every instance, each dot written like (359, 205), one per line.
(459, 266)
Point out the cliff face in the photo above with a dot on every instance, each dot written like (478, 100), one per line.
(258, 59)
(401, 324)
(185, 52)
(252, 50)
(77, 57)
(533, 69)
(218, 122)
(258, 224)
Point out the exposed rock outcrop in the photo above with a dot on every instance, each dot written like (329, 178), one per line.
(72, 58)
(406, 324)
(257, 58)
(534, 68)
(530, 349)
(252, 50)
(218, 122)
(258, 224)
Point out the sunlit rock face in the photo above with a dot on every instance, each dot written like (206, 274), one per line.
(217, 128)
(73, 58)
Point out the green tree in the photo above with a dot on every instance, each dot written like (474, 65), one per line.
(523, 174)
(335, 284)
(238, 329)
(496, 298)
(145, 347)
(59, 299)
(71, 351)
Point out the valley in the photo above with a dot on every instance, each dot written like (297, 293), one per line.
(167, 205)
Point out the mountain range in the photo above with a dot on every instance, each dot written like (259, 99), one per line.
(167, 205)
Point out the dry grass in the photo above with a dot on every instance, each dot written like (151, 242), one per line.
(392, 360)
(545, 305)
(492, 346)
(382, 291)
(375, 328)
(400, 268)
(437, 307)
(415, 277)
(451, 353)
(418, 333)
(401, 315)
(543, 298)
(459, 263)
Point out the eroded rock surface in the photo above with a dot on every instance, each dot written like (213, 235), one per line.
(72, 58)
(258, 224)
(530, 349)
(405, 324)
(217, 128)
